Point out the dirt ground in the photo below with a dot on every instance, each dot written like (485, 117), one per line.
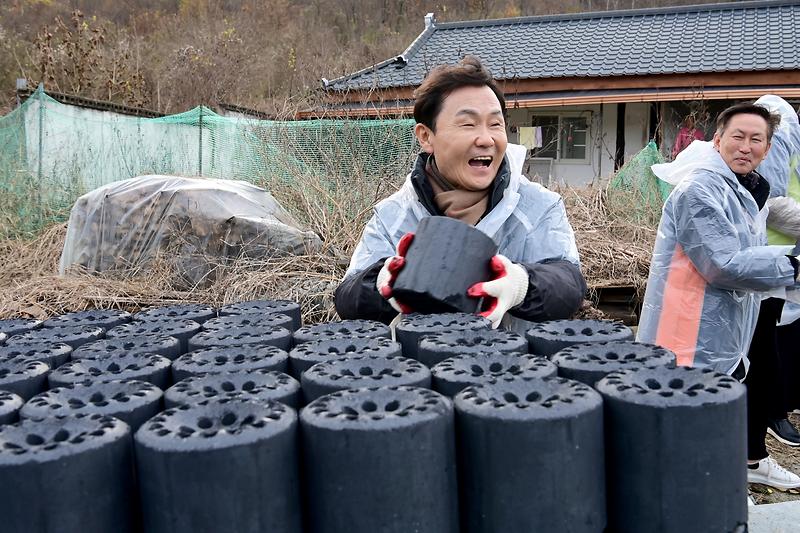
(787, 457)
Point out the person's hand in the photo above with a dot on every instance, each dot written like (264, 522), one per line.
(506, 290)
(388, 273)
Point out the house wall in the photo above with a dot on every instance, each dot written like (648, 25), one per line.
(637, 120)
(599, 162)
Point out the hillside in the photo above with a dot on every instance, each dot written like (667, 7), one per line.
(171, 55)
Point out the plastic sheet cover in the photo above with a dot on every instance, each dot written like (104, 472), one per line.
(197, 222)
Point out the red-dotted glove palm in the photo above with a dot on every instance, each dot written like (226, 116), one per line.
(506, 290)
(388, 273)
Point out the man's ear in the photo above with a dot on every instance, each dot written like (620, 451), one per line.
(716, 141)
(424, 135)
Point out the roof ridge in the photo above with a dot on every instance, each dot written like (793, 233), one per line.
(327, 83)
(415, 45)
(739, 5)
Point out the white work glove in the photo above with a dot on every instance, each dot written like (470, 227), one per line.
(388, 273)
(506, 290)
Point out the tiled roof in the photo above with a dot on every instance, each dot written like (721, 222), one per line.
(730, 37)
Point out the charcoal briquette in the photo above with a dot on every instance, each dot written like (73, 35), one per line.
(260, 385)
(435, 348)
(453, 375)
(103, 318)
(24, 377)
(74, 336)
(152, 368)
(227, 359)
(444, 260)
(343, 328)
(380, 459)
(547, 338)
(250, 320)
(14, 326)
(285, 307)
(220, 467)
(10, 404)
(304, 356)
(590, 362)
(164, 345)
(132, 401)
(531, 456)
(54, 354)
(67, 475)
(413, 327)
(676, 449)
(276, 336)
(196, 312)
(363, 371)
(180, 329)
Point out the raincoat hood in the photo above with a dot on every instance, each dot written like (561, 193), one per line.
(700, 155)
(778, 105)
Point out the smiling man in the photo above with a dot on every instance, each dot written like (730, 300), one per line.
(711, 267)
(467, 170)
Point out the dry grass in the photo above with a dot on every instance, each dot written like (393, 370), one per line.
(22, 259)
(614, 247)
(308, 280)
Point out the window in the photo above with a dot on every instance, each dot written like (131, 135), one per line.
(562, 136)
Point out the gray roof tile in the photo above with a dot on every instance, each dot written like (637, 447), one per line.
(740, 36)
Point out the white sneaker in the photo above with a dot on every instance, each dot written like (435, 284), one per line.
(769, 472)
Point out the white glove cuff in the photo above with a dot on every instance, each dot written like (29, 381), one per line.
(518, 278)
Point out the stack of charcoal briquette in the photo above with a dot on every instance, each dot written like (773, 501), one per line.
(194, 419)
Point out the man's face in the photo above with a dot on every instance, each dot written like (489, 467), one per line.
(743, 144)
(470, 138)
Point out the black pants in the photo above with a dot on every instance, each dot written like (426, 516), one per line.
(789, 357)
(765, 399)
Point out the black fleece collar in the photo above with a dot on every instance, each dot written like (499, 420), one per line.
(419, 180)
(756, 185)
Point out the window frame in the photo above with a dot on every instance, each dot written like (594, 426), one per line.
(587, 114)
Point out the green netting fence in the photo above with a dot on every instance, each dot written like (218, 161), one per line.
(635, 192)
(51, 153)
